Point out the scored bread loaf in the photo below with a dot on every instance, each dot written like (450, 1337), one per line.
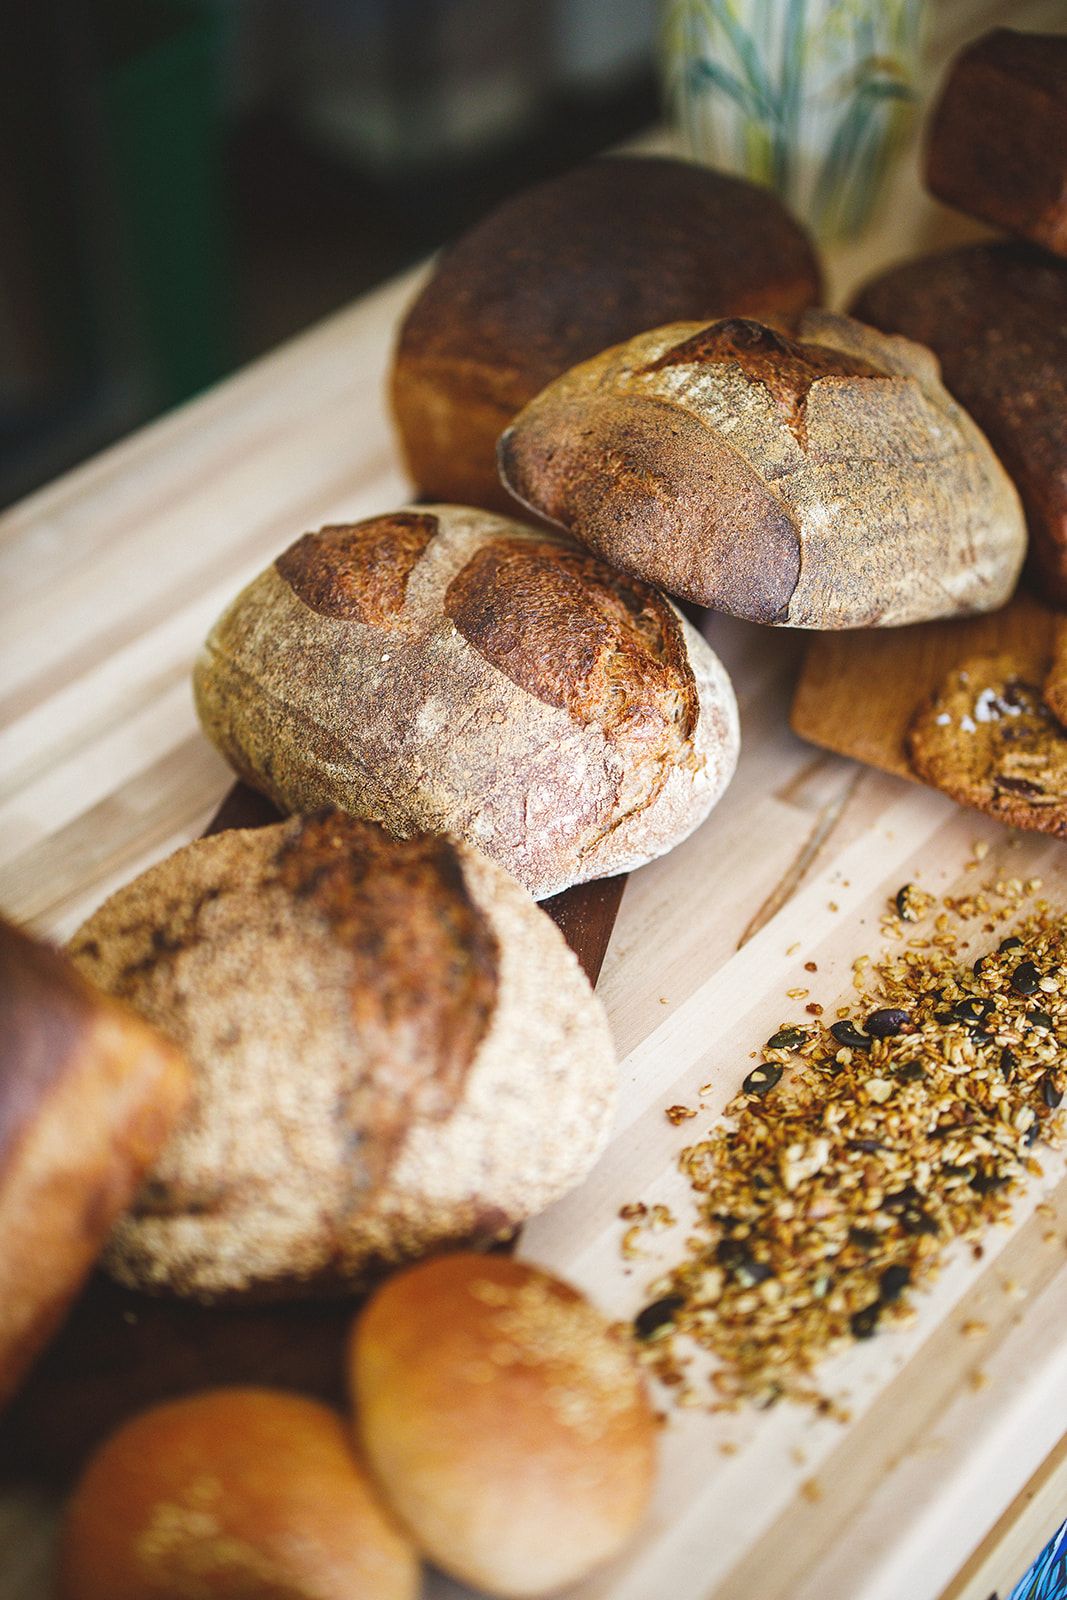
(827, 481)
(559, 272)
(88, 1094)
(995, 315)
(393, 1048)
(442, 669)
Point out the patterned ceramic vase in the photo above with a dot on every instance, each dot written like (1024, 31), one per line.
(809, 96)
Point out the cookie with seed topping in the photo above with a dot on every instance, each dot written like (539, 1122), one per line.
(987, 738)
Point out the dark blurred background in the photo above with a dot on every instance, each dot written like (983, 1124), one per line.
(184, 183)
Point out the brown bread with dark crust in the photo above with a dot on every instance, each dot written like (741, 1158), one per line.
(393, 1049)
(563, 270)
(514, 690)
(88, 1094)
(997, 142)
(995, 315)
(826, 480)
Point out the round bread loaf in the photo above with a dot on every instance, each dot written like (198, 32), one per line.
(232, 1493)
(995, 315)
(88, 1094)
(393, 1049)
(504, 1422)
(827, 481)
(446, 670)
(564, 270)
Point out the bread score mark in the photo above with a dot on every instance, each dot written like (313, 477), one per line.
(787, 368)
(358, 571)
(425, 961)
(578, 635)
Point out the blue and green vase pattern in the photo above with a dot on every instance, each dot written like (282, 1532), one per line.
(811, 97)
(1047, 1578)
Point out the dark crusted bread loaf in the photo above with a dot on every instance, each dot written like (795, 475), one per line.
(560, 272)
(441, 669)
(88, 1094)
(997, 142)
(826, 481)
(393, 1049)
(996, 317)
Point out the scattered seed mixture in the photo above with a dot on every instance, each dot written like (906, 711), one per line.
(860, 1148)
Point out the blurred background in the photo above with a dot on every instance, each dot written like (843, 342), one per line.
(185, 183)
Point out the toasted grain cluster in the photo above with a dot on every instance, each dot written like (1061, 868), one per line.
(560, 272)
(445, 670)
(505, 1423)
(393, 1049)
(822, 481)
(858, 1151)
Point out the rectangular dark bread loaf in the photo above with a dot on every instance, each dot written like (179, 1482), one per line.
(997, 145)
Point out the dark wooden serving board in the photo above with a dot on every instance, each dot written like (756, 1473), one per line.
(120, 1351)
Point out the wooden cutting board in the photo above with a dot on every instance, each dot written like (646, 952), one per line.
(859, 690)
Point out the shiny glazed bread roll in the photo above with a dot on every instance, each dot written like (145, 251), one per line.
(505, 1423)
(445, 670)
(393, 1048)
(88, 1094)
(234, 1493)
(563, 270)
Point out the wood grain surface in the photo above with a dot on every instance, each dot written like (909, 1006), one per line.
(109, 580)
(898, 668)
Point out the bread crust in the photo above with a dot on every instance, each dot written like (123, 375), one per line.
(563, 270)
(997, 140)
(88, 1094)
(996, 317)
(562, 718)
(393, 1049)
(826, 481)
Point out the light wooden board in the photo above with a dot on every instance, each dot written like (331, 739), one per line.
(110, 578)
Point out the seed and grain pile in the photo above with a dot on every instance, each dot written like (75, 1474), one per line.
(860, 1149)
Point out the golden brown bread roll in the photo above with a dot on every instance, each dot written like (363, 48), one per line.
(239, 1494)
(88, 1094)
(560, 272)
(826, 481)
(505, 1423)
(446, 670)
(393, 1049)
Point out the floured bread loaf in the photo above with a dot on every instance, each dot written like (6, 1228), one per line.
(392, 1047)
(827, 481)
(446, 670)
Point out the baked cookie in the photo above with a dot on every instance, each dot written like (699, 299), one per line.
(987, 738)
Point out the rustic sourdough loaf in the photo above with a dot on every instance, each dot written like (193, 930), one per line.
(88, 1094)
(441, 669)
(393, 1048)
(827, 481)
(563, 270)
(995, 315)
(997, 141)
